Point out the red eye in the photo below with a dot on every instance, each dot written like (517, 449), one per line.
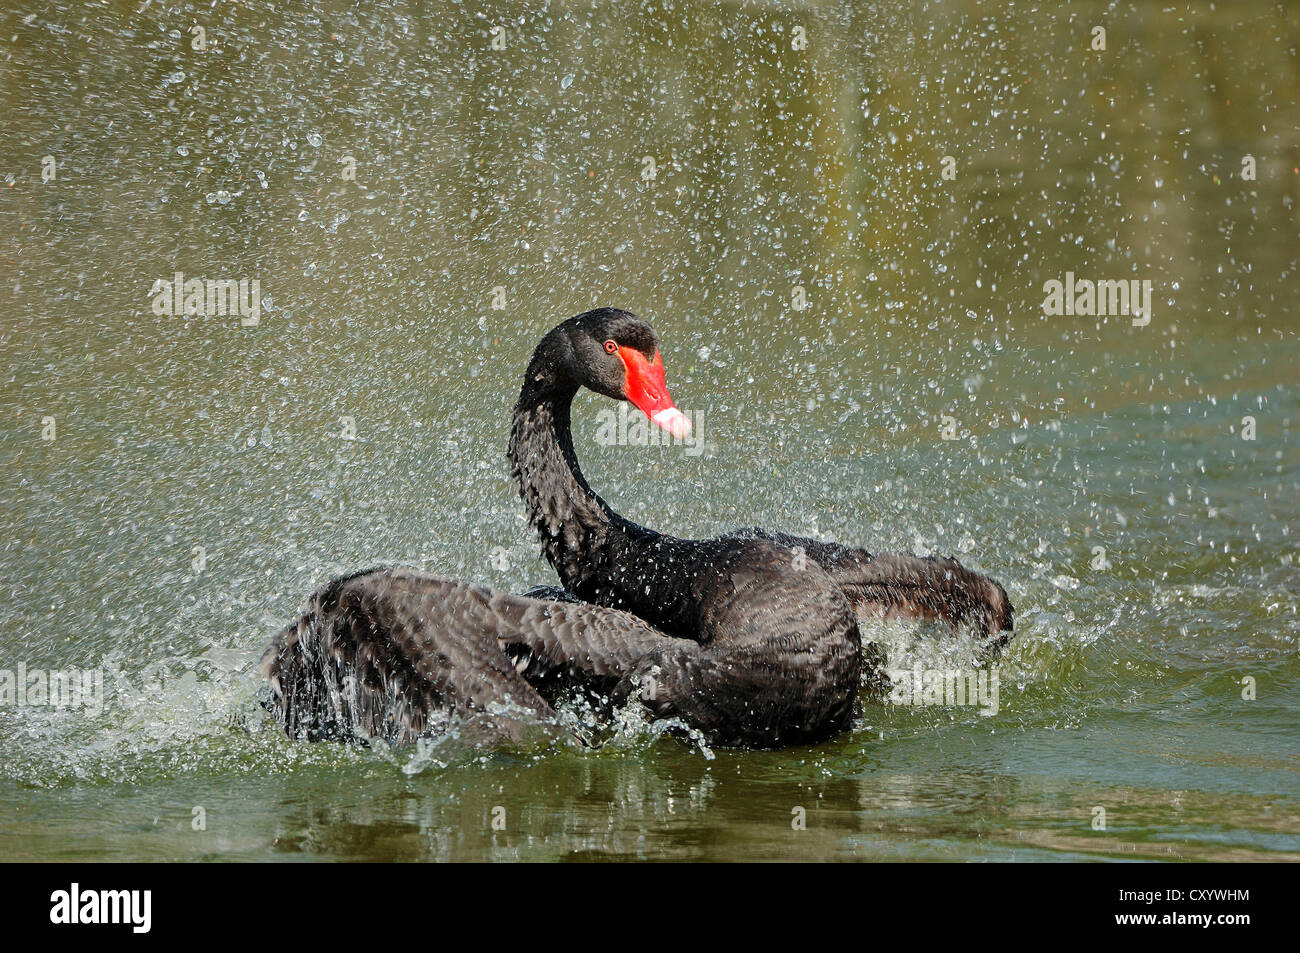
(611, 347)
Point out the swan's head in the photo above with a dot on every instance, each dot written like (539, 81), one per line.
(615, 353)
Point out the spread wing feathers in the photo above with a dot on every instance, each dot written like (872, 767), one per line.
(395, 654)
(562, 632)
(926, 587)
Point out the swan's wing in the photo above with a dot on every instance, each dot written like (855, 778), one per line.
(563, 632)
(388, 653)
(930, 587)
(926, 587)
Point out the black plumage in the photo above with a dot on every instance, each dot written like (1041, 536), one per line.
(750, 637)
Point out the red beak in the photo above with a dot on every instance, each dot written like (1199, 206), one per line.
(645, 387)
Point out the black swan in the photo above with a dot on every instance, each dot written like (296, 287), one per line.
(750, 637)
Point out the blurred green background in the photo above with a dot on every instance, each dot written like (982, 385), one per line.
(777, 166)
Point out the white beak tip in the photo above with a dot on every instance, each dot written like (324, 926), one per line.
(674, 421)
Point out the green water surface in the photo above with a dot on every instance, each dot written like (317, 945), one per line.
(776, 167)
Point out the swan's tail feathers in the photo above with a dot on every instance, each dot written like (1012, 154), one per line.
(394, 654)
(922, 587)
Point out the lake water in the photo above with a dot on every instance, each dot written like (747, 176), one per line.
(417, 207)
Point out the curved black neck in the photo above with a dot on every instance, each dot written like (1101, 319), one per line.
(600, 556)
